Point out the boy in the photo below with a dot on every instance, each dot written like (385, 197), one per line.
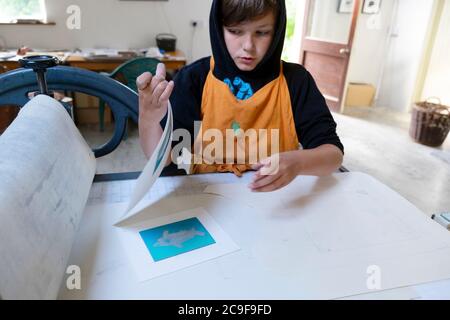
(243, 86)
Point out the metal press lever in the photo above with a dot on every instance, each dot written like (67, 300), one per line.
(39, 64)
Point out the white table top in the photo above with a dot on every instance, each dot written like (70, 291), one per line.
(100, 271)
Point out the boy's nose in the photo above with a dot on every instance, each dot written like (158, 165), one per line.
(249, 43)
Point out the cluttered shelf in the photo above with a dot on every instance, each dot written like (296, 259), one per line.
(95, 59)
(108, 60)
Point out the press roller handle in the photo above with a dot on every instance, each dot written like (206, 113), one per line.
(39, 64)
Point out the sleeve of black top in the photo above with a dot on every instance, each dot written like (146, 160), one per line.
(314, 122)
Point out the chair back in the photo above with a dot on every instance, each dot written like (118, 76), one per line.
(128, 72)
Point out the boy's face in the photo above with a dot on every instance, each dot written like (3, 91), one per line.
(248, 41)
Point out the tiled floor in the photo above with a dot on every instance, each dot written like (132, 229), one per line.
(376, 141)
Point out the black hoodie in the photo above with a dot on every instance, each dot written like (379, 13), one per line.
(314, 123)
(266, 71)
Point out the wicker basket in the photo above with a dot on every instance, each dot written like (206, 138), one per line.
(430, 123)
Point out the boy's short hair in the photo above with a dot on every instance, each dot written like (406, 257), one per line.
(237, 11)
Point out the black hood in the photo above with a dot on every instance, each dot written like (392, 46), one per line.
(267, 70)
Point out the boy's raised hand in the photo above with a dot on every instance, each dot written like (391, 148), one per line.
(154, 94)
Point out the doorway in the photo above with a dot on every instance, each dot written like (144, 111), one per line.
(327, 39)
(390, 53)
(388, 49)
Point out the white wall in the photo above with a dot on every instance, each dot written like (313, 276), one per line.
(437, 83)
(370, 40)
(328, 24)
(388, 49)
(404, 55)
(117, 24)
(369, 45)
(391, 62)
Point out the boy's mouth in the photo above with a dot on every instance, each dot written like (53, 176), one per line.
(246, 60)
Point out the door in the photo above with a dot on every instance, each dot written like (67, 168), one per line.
(329, 27)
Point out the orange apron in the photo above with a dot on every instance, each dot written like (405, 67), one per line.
(228, 117)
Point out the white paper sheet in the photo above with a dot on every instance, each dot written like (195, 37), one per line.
(120, 191)
(107, 271)
(144, 264)
(281, 253)
(151, 171)
(46, 172)
(138, 253)
(354, 227)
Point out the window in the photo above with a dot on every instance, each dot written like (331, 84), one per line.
(15, 10)
(291, 51)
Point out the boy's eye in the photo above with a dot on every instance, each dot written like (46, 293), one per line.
(263, 33)
(234, 31)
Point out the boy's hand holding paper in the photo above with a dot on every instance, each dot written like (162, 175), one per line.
(154, 94)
